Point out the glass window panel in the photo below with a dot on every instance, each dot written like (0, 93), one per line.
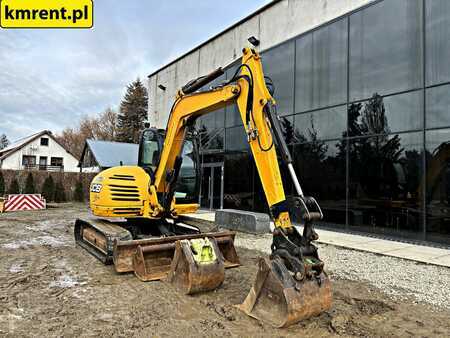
(404, 112)
(211, 126)
(232, 115)
(238, 188)
(384, 115)
(386, 48)
(304, 74)
(438, 185)
(187, 183)
(213, 120)
(321, 124)
(437, 30)
(321, 62)
(438, 107)
(278, 64)
(211, 131)
(314, 161)
(385, 184)
(287, 128)
(236, 139)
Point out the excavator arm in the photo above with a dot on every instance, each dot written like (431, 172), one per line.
(249, 91)
(294, 273)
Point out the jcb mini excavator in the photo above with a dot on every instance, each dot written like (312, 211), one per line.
(152, 241)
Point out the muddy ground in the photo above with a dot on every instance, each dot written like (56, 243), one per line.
(50, 287)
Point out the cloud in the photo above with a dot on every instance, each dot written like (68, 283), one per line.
(50, 79)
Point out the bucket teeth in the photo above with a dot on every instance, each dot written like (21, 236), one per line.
(279, 299)
(191, 272)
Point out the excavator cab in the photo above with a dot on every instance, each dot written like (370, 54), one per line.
(150, 147)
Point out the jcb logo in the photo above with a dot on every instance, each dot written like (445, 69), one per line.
(95, 187)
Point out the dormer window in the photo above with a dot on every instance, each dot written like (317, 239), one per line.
(44, 141)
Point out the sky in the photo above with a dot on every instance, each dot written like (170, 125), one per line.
(50, 79)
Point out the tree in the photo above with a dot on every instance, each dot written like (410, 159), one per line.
(48, 189)
(2, 184)
(72, 140)
(4, 142)
(106, 125)
(133, 112)
(287, 128)
(78, 194)
(60, 194)
(29, 185)
(101, 127)
(14, 187)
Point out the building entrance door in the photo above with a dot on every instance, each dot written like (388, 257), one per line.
(211, 187)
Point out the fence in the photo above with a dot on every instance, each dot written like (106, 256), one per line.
(43, 167)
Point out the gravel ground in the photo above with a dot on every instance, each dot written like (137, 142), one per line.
(399, 278)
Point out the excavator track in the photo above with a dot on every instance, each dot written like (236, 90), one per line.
(97, 236)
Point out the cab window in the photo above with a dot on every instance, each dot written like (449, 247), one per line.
(149, 150)
(187, 184)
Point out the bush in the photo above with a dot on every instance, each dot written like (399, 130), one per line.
(60, 194)
(2, 185)
(48, 189)
(78, 194)
(14, 187)
(29, 185)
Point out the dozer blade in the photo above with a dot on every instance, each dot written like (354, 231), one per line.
(279, 299)
(98, 237)
(151, 258)
(197, 266)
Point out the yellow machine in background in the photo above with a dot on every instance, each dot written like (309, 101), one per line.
(150, 239)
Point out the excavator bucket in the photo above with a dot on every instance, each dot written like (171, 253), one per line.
(196, 266)
(151, 259)
(279, 299)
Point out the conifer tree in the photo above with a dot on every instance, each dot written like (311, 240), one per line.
(2, 184)
(133, 112)
(60, 194)
(48, 189)
(4, 142)
(78, 194)
(29, 185)
(14, 187)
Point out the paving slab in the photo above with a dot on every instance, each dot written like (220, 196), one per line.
(443, 261)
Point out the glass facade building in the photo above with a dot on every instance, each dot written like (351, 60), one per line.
(365, 107)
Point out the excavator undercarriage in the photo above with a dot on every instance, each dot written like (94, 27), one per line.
(152, 256)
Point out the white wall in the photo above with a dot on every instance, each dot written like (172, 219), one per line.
(278, 23)
(34, 148)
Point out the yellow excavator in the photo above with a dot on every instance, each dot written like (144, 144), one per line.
(139, 225)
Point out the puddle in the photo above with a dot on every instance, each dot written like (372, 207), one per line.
(42, 226)
(66, 281)
(16, 268)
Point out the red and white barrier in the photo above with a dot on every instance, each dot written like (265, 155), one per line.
(24, 202)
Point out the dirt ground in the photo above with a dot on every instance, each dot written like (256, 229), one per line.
(51, 287)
